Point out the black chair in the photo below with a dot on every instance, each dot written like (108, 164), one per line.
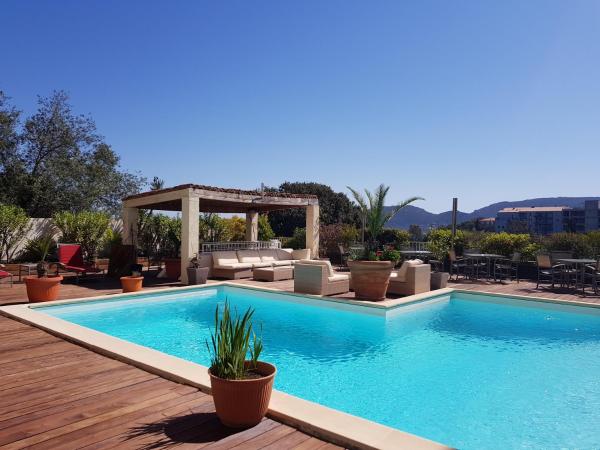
(548, 271)
(507, 268)
(457, 265)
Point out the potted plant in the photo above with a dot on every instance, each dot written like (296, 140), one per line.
(42, 288)
(241, 387)
(195, 273)
(370, 275)
(133, 282)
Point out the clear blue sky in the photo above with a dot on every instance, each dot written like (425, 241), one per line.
(484, 100)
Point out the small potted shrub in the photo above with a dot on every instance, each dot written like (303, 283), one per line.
(42, 288)
(133, 282)
(241, 387)
(195, 273)
(371, 275)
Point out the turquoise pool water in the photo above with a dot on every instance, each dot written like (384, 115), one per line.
(470, 371)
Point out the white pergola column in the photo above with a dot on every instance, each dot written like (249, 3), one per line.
(312, 230)
(130, 222)
(190, 210)
(251, 226)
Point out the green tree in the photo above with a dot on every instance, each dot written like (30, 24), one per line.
(58, 162)
(373, 209)
(14, 225)
(265, 232)
(334, 207)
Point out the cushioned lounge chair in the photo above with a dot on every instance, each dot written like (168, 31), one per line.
(70, 259)
(413, 277)
(5, 274)
(227, 265)
(319, 278)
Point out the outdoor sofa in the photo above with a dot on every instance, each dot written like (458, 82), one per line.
(318, 278)
(413, 277)
(234, 265)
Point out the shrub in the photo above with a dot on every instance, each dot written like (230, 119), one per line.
(505, 243)
(86, 228)
(530, 251)
(236, 228)
(330, 236)
(159, 236)
(212, 228)
(230, 345)
(394, 237)
(297, 241)
(593, 238)
(390, 255)
(440, 242)
(14, 225)
(475, 239)
(576, 243)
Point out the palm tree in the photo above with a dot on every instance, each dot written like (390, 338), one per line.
(373, 211)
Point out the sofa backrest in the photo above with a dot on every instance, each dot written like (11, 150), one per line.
(248, 256)
(302, 253)
(404, 268)
(224, 258)
(315, 262)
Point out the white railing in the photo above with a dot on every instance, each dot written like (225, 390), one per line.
(208, 247)
(418, 246)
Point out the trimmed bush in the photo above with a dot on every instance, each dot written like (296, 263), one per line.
(86, 228)
(574, 242)
(394, 237)
(440, 242)
(504, 243)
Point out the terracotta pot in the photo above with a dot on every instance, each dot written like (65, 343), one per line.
(173, 267)
(44, 289)
(243, 403)
(370, 279)
(131, 284)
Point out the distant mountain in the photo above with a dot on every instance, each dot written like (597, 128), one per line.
(418, 216)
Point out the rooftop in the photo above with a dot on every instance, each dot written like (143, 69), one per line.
(217, 199)
(534, 209)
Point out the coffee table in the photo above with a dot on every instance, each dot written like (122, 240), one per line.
(273, 273)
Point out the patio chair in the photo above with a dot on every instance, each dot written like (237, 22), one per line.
(5, 274)
(548, 271)
(508, 268)
(568, 273)
(318, 278)
(413, 277)
(70, 259)
(457, 264)
(344, 255)
(592, 273)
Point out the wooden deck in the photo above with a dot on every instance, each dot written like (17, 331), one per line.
(57, 395)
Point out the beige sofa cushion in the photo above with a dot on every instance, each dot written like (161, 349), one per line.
(248, 256)
(225, 258)
(303, 253)
(237, 265)
(268, 254)
(338, 277)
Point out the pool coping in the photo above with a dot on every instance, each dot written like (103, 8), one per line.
(324, 422)
(321, 421)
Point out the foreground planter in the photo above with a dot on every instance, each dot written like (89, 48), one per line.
(243, 403)
(44, 289)
(370, 279)
(173, 267)
(131, 284)
(197, 275)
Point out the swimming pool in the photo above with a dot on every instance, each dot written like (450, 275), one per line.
(471, 371)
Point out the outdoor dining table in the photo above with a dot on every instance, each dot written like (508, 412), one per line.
(489, 257)
(579, 264)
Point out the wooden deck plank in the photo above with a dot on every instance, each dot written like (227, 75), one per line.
(57, 395)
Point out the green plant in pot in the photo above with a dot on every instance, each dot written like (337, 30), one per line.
(42, 288)
(370, 275)
(241, 384)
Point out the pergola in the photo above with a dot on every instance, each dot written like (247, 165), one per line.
(192, 199)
